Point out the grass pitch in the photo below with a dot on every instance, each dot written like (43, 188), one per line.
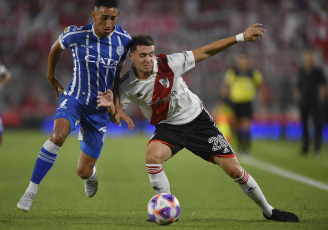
(208, 198)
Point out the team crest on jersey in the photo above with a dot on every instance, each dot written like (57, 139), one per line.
(219, 142)
(120, 50)
(165, 82)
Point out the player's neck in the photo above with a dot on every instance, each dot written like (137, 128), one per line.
(141, 75)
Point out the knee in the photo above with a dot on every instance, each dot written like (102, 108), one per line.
(234, 171)
(84, 173)
(152, 158)
(58, 138)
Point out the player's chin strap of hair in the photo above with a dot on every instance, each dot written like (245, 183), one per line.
(240, 37)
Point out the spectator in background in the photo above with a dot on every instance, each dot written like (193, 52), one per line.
(240, 87)
(311, 93)
(5, 75)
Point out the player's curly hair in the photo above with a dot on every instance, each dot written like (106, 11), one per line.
(140, 40)
(106, 3)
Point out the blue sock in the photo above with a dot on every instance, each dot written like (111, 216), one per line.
(45, 161)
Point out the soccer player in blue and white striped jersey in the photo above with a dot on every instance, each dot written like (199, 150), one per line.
(99, 51)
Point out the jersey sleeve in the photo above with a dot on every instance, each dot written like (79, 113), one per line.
(126, 43)
(182, 62)
(257, 78)
(229, 77)
(67, 37)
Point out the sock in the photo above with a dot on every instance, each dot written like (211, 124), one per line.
(251, 189)
(157, 178)
(33, 187)
(45, 161)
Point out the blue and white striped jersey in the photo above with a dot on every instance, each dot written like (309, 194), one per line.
(94, 60)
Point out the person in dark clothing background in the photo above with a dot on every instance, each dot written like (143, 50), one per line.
(311, 93)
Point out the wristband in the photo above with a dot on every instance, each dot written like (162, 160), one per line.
(240, 37)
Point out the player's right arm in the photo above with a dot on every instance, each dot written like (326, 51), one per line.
(250, 34)
(54, 56)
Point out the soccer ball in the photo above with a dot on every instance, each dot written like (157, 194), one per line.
(163, 208)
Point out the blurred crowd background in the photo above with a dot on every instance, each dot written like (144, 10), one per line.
(29, 27)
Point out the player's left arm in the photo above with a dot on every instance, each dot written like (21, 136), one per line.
(5, 76)
(250, 34)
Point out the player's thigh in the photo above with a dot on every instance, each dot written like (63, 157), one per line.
(93, 132)
(230, 165)
(157, 152)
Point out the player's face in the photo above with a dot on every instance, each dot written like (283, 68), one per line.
(105, 19)
(143, 58)
(243, 62)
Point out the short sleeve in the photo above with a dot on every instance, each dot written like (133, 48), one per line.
(182, 61)
(229, 77)
(67, 37)
(257, 78)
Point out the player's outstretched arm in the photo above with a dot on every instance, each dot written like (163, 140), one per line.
(250, 34)
(54, 56)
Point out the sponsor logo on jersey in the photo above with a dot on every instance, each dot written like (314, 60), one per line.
(120, 50)
(165, 82)
(219, 142)
(164, 99)
(106, 62)
(63, 105)
(86, 46)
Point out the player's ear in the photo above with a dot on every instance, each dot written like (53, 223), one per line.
(118, 14)
(93, 13)
(131, 55)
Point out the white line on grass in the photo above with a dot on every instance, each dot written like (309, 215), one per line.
(284, 173)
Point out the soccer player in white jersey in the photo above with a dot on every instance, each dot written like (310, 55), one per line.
(5, 75)
(155, 84)
(99, 51)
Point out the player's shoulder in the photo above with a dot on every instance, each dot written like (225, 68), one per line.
(124, 79)
(72, 29)
(122, 33)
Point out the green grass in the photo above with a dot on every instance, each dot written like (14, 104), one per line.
(208, 198)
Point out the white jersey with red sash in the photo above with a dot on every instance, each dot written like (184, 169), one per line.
(163, 97)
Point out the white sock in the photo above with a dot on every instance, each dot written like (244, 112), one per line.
(252, 189)
(33, 187)
(158, 179)
(93, 172)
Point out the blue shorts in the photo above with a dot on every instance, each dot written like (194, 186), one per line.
(93, 122)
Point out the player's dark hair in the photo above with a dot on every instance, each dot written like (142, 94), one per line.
(106, 3)
(140, 40)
